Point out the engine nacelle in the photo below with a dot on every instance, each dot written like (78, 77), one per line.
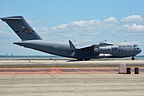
(96, 50)
(105, 50)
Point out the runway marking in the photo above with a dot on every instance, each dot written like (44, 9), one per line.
(54, 70)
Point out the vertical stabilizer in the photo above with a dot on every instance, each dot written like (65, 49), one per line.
(21, 28)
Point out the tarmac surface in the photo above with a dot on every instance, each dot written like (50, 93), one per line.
(29, 77)
(44, 66)
(28, 63)
(71, 85)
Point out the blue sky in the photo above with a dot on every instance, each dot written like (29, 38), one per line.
(84, 22)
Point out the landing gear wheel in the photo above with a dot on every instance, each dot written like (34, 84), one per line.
(84, 59)
(80, 59)
(133, 58)
(87, 59)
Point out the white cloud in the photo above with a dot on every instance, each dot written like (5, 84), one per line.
(3, 32)
(110, 20)
(6, 35)
(134, 28)
(62, 26)
(3, 25)
(92, 28)
(134, 18)
(45, 29)
(85, 26)
(42, 29)
(79, 23)
(85, 23)
(94, 22)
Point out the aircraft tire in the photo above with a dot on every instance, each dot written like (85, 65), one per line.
(133, 58)
(87, 59)
(84, 59)
(80, 59)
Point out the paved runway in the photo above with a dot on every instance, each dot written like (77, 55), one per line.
(44, 66)
(40, 66)
(69, 78)
(40, 63)
(71, 85)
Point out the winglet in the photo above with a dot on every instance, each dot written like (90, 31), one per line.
(71, 45)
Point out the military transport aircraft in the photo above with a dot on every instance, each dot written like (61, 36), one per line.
(30, 39)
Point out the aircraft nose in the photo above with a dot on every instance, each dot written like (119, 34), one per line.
(139, 50)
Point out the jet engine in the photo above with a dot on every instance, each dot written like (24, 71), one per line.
(105, 50)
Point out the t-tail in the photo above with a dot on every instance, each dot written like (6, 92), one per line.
(21, 28)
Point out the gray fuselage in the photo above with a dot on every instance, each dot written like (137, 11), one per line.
(114, 51)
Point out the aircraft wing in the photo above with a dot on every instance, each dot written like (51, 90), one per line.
(103, 44)
(87, 48)
(95, 46)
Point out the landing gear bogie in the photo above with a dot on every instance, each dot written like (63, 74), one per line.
(133, 58)
(84, 59)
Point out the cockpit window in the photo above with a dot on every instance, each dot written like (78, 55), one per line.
(135, 45)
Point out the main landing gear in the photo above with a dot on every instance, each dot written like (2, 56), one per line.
(85, 59)
(133, 58)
